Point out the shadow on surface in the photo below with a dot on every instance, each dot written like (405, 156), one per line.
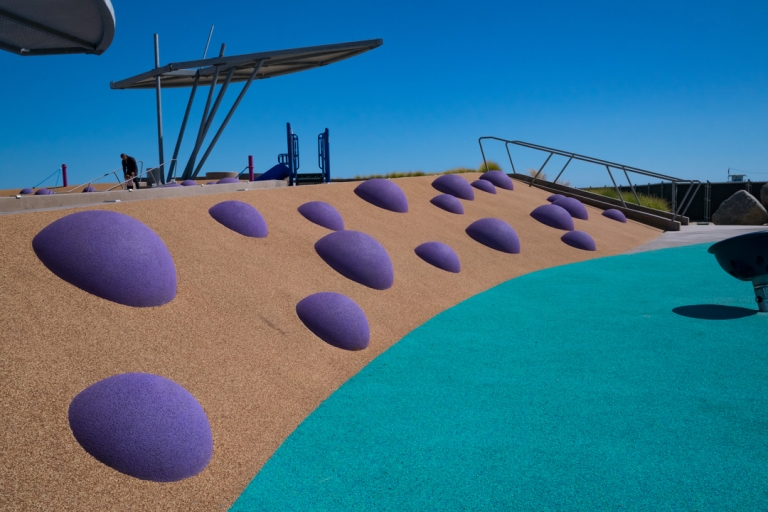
(713, 312)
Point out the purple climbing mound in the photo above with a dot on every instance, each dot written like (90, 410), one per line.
(240, 217)
(110, 255)
(227, 180)
(439, 255)
(336, 319)
(499, 179)
(579, 240)
(25, 191)
(573, 207)
(384, 194)
(555, 197)
(211, 183)
(496, 234)
(454, 185)
(43, 192)
(189, 183)
(553, 216)
(89, 189)
(484, 185)
(143, 425)
(358, 257)
(171, 185)
(448, 203)
(322, 214)
(614, 214)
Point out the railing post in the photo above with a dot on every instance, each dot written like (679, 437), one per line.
(65, 183)
(250, 168)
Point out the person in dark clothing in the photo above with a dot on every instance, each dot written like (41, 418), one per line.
(130, 170)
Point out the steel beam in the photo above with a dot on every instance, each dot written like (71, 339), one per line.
(183, 127)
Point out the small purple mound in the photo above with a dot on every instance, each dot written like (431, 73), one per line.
(448, 203)
(614, 214)
(43, 192)
(454, 185)
(439, 255)
(499, 179)
(336, 319)
(579, 240)
(240, 217)
(496, 234)
(89, 189)
(573, 207)
(358, 257)
(484, 185)
(227, 180)
(555, 197)
(25, 191)
(384, 194)
(211, 183)
(171, 185)
(189, 183)
(110, 255)
(143, 425)
(322, 214)
(553, 216)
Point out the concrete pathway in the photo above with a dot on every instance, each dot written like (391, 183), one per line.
(695, 234)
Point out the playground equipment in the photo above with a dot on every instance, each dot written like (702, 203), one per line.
(745, 257)
(291, 159)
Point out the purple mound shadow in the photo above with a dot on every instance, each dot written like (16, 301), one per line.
(240, 217)
(496, 234)
(211, 183)
(171, 185)
(499, 179)
(227, 180)
(358, 257)
(143, 425)
(484, 185)
(322, 214)
(614, 214)
(573, 207)
(25, 191)
(189, 183)
(335, 319)
(555, 197)
(579, 240)
(454, 185)
(110, 255)
(384, 194)
(448, 203)
(43, 192)
(89, 189)
(553, 216)
(439, 255)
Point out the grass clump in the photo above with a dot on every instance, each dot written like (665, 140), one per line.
(649, 201)
(492, 166)
(543, 177)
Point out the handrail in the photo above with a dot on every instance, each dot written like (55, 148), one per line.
(149, 169)
(88, 184)
(678, 210)
(49, 177)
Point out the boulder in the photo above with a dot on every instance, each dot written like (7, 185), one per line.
(741, 209)
(764, 196)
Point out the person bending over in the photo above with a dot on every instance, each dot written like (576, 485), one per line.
(130, 170)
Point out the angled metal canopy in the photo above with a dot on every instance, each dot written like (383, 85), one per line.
(50, 27)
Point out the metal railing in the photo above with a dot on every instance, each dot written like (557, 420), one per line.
(677, 210)
(149, 170)
(88, 184)
(57, 172)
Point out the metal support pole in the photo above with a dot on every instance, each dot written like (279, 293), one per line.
(631, 186)
(327, 164)
(510, 158)
(159, 112)
(65, 183)
(183, 126)
(199, 141)
(542, 168)
(563, 170)
(250, 168)
(615, 187)
(291, 169)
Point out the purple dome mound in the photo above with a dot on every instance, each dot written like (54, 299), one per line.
(484, 185)
(496, 234)
(579, 240)
(440, 256)
(448, 203)
(358, 257)
(189, 183)
(336, 319)
(228, 180)
(555, 197)
(89, 189)
(574, 207)
(171, 185)
(241, 218)
(614, 214)
(553, 216)
(143, 425)
(384, 194)
(211, 183)
(25, 191)
(322, 214)
(454, 185)
(43, 192)
(499, 179)
(110, 255)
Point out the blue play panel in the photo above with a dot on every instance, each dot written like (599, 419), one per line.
(637, 382)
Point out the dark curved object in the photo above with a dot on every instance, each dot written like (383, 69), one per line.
(496, 234)
(454, 185)
(553, 216)
(358, 257)
(224, 181)
(384, 194)
(240, 217)
(615, 214)
(439, 255)
(336, 319)
(43, 192)
(499, 179)
(25, 191)
(574, 207)
(322, 214)
(484, 185)
(579, 240)
(189, 183)
(713, 312)
(89, 189)
(745, 256)
(171, 185)
(448, 203)
(555, 197)
(278, 172)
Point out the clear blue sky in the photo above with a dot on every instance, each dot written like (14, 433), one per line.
(676, 87)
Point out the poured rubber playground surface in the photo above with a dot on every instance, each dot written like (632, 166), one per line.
(524, 381)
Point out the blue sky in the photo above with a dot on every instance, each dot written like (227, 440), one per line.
(675, 87)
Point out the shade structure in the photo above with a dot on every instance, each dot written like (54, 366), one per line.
(50, 27)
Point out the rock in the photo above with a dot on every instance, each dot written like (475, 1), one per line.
(741, 209)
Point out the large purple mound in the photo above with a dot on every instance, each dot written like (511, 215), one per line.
(189, 183)
(384, 194)
(322, 214)
(241, 218)
(496, 234)
(499, 179)
(335, 319)
(143, 425)
(555, 197)
(110, 255)
(553, 216)
(574, 207)
(448, 203)
(579, 240)
(614, 214)
(25, 191)
(454, 185)
(439, 255)
(228, 180)
(357, 256)
(43, 192)
(484, 185)
(89, 189)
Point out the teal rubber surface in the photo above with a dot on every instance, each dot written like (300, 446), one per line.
(602, 385)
